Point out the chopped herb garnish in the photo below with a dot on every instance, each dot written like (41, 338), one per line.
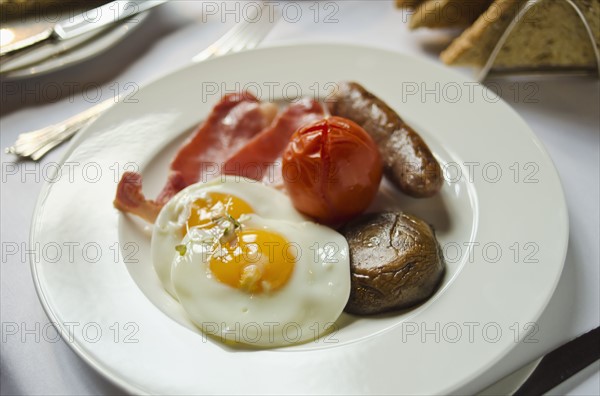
(181, 249)
(234, 221)
(222, 229)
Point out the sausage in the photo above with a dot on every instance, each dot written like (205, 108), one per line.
(407, 160)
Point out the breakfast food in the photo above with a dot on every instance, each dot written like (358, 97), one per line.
(242, 136)
(551, 34)
(230, 239)
(447, 13)
(232, 122)
(260, 158)
(395, 261)
(475, 45)
(332, 170)
(408, 161)
(242, 268)
(200, 203)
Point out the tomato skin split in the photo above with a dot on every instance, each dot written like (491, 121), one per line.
(332, 169)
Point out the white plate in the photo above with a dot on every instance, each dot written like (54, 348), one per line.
(503, 226)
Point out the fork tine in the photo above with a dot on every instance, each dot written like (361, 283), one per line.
(256, 34)
(227, 45)
(245, 35)
(251, 40)
(46, 148)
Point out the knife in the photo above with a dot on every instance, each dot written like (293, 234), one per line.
(544, 374)
(562, 363)
(83, 23)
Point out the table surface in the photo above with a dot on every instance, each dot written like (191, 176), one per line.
(562, 111)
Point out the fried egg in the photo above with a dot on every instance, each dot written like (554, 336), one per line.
(197, 204)
(279, 283)
(247, 267)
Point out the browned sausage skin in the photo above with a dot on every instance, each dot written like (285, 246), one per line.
(407, 160)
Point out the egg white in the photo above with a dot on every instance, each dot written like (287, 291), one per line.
(301, 310)
(265, 201)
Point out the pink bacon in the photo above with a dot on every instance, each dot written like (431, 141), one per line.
(232, 123)
(260, 157)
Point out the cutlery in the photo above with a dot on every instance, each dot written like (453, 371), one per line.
(556, 366)
(81, 24)
(245, 35)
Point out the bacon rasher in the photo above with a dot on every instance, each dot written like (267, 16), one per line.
(260, 157)
(232, 123)
(238, 138)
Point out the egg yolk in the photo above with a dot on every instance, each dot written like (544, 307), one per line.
(255, 261)
(213, 205)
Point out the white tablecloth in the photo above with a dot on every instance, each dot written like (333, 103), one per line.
(563, 112)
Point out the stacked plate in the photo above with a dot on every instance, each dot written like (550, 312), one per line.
(24, 19)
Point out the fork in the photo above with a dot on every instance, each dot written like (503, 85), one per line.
(245, 35)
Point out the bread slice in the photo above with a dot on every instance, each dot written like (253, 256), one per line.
(591, 12)
(408, 3)
(448, 13)
(474, 45)
(551, 34)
